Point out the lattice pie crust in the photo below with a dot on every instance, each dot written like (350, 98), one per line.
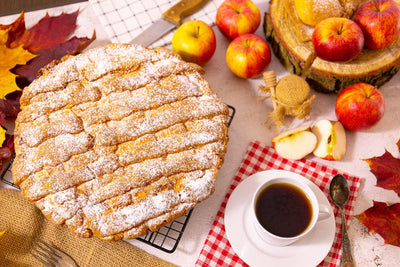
(119, 140)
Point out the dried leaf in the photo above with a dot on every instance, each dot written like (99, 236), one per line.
(9, 108)
(8, 59)
(48, 32)
(2, 135)
(70, 47)
(16, 29)
(7, 149)
(48, 40)
(384, 220)
(386, 169)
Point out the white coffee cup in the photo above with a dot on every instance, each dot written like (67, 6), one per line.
(318, 211)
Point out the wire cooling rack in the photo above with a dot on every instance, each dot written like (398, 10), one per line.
(166, 238)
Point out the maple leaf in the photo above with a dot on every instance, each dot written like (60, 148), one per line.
(8, 59)
(383, 220)
(7, 148)
(10, 108)
(71, 47)
(2, 135)
(16, 29)
(48, 32)
(48, 40)
(386, 169)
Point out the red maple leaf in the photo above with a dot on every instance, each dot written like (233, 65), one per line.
(383, 220)
(386, 169)
(7, 149)
(70, 47)
(48, 40)
(10, 107)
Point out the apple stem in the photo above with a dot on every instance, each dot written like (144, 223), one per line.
(340, 30)
(247, 43)
(197, 34)
(376, 7)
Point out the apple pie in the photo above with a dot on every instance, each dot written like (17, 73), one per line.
(119, 140)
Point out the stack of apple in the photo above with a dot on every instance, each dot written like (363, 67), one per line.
(247, 55)
(375, 25)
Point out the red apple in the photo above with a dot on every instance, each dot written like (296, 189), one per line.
(337, 39)
(380, 22)
(359, 106)
(195, 41)
(236, 17)
(248, 55)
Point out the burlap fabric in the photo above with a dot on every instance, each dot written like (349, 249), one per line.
(24, 222)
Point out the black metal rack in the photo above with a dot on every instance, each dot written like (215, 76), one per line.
(166, 238)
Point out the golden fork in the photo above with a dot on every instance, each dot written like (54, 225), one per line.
(51, 256)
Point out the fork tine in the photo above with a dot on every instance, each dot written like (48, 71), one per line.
(41, 260)
(48, 255)
(56, 252)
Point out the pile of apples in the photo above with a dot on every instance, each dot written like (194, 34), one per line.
(247, 54)
(375, 25)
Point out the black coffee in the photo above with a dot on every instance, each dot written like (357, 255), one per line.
(283, 209)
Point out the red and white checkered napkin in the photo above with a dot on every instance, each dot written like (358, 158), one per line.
(218, 252)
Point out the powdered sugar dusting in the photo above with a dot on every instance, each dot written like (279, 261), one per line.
(119, 140)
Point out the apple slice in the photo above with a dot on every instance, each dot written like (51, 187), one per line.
(331, 140)
(295, 143)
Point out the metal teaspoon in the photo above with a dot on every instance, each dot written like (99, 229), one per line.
(339, 193)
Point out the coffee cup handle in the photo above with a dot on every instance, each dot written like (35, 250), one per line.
(324, 212)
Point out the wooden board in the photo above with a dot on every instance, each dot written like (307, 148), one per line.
(290, 41)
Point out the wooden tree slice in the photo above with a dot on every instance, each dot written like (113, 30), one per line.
(290, 40)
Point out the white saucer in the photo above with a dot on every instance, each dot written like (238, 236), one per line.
(309, 251)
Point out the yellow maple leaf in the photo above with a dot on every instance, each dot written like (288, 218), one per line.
(2, 135)
(8, 59)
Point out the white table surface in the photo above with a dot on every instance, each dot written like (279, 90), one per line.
(249, 124)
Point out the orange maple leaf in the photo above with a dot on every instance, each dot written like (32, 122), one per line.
(383, 220)
(9, 58)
